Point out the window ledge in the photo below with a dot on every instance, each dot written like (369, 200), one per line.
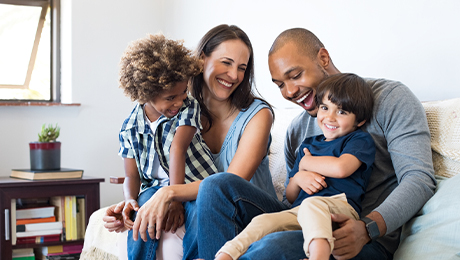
(35, 104)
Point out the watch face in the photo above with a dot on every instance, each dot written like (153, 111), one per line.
(373, 230)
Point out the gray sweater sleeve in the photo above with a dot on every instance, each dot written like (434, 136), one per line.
(400, 117)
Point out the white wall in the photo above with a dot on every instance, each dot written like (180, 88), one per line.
(415, 42)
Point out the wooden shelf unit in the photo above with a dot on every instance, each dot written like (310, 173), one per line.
(11, 188)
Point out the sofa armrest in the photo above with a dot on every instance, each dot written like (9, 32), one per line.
(102, 244)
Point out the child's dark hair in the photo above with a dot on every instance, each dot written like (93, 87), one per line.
(153, 64)
(350, 93)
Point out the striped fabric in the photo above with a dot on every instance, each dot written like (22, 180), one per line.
(137, 141)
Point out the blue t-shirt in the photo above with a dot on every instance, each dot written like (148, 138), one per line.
(357, 143)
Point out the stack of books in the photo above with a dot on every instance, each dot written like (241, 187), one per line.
(59, 218)
(68, 252)
(37, 225)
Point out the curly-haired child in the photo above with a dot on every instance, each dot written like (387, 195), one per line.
(160, 141)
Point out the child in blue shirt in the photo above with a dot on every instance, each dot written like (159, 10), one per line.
(330, 175)
(160, 141)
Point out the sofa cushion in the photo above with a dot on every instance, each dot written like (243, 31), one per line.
(434, 233)
(444, 123)
(277, 163)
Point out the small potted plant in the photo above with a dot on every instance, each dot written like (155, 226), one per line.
(46, 153)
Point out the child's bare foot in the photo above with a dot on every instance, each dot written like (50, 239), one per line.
(319, 249)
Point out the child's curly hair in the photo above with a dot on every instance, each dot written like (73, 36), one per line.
(153, 64)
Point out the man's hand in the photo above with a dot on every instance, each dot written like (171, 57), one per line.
(350, 237)
(174, 217)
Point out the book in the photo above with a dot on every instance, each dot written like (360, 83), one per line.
(39, 212)
(44, 251)
(39, 233)
(31, 257)
(39, 226)
(73, 218)
(64, 257)
(23, 254)
(63, 173)
(81, 217)
(70, 218)
(59, 211)
(35, 220)
(32, 202)
(59, 250)
(38, 239)
(13, 222)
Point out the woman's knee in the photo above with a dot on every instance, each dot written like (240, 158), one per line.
(219, 182)
(217, 179)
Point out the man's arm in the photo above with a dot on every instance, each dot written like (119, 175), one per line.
(409, 146)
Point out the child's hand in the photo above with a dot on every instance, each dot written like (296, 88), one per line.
(130, 206)
(306, 152)
(113, 218)
(310, 182)
(303, 164)
(175, 217)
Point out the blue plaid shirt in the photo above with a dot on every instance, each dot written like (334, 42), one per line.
(137, 141)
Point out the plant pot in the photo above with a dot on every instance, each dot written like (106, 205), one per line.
(45, 156)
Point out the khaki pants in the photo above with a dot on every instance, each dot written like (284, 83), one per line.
(313, 216)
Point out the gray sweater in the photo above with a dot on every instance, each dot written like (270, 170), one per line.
(403, 176)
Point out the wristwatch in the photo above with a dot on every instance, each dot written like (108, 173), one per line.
(372, 228)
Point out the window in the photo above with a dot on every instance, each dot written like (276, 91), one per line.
(29, 50)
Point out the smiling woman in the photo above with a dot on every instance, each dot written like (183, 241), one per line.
(25, 47)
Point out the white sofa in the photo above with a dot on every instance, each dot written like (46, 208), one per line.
(434, 233)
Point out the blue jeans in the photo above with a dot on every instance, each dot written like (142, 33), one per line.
(147, 250)
(140, 249)
(227, 203)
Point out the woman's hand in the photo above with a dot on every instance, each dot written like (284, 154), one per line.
(151, 215)
(113, 218)
(175, 217)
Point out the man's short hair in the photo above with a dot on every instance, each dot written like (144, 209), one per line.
(306, 42)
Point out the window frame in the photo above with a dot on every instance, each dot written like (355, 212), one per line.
(55, 65)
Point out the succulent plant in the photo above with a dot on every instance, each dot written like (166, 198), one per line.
(48, 134)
